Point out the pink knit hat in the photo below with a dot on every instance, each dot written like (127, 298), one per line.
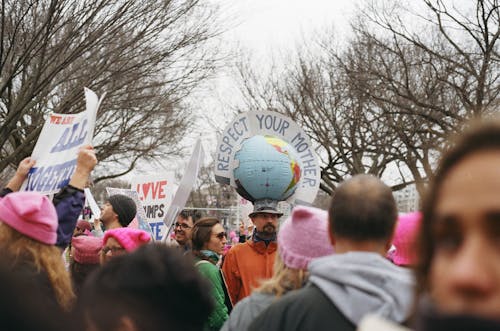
(32, 214)
(405, 238)
(128, 238)
(86, 249)
(303, 237)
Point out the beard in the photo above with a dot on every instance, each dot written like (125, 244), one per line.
(269, 229)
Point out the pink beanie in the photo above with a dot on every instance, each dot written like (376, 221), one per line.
(303, 237)
(31, 214)
(405, 238)
(86, 249)
(128, 238)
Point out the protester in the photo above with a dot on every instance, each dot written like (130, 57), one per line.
(118, 211)
(122, 241)
(82, 228)
(154, 288)
(28, 234)
(23, 307)
(459, 273)
(209, 239)
(252, 261)
(358, 279)
(302, 237)
(69, 200)
(183, 228)
(405, 239)
(85, 258)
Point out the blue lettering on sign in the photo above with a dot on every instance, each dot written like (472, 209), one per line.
(233, 134)
(156, 228)
(71, 137)
(50, 178)
(274, 123)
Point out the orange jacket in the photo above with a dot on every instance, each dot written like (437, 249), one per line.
(245, 265)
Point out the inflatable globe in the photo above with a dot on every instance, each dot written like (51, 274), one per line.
(267, 168)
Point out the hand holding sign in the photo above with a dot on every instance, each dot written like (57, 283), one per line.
(21, 173)
(85, 163)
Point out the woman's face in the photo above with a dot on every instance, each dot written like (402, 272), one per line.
(465, 268)
(217, 240)
(111, 248)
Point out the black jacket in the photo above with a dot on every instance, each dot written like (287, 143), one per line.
(304, 309)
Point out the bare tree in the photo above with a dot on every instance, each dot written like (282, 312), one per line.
(147, 55)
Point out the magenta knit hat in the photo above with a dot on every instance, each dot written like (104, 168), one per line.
(405, 238)
(128, 238)
(86, 249)
(303, 237)
(31, 214)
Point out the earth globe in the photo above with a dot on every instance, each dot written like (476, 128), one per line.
(266, 167)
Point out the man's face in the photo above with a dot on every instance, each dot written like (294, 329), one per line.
(111, 249)
(465, 268)
(265, 223)
(183, 229)
(107, 214)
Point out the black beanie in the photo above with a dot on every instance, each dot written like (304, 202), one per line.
(124, 207)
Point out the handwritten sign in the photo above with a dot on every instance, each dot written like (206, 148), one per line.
(253, 123)
(57, 147)
(155, 193)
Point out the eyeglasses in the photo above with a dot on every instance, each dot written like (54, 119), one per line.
(182, 225)
(221, 235)
(114, 250)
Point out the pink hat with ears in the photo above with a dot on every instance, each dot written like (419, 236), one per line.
(405, 239)
(31, 214)
(128, 238)
(304, 236)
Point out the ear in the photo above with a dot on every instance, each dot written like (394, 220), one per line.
(331, 236)
(127, 324)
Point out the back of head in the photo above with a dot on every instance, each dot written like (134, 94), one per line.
(303, 237)
(363, 209)
(155, 287)
(124, 207)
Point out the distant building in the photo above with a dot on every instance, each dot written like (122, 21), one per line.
(407, 199)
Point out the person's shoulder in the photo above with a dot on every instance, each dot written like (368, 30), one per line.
(238, 248)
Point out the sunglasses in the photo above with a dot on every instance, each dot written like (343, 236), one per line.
(182, 225)
(221, 235)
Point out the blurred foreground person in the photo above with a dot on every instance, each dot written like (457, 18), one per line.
(209, 239)
(302, 237)
(28, 233)
(459, 275)
(147, 290)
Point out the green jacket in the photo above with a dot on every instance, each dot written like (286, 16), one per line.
(220, 313)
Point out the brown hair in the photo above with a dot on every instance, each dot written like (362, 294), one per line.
(45, 258)
(478, 136)
(284, 279)
(202, 231)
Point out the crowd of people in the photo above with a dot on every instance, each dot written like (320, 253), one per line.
(358, 265)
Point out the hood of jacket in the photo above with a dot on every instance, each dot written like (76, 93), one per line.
(359, 283)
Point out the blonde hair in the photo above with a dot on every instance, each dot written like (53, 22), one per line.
(284, 279)
(43, 257)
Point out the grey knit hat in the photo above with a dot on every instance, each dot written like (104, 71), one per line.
(124, 207)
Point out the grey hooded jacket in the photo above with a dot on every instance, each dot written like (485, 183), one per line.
(246, 310)
(342, 289)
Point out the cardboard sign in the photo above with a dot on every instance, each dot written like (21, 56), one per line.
(96, 211)
(57, 147)
(253, 123)
(155, 193)
(185, 187)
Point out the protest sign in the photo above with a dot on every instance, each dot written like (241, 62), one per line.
(57, 147)
(253, 123)
(140, 216)
(96, 211)
(185, 187)
(155, 193)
